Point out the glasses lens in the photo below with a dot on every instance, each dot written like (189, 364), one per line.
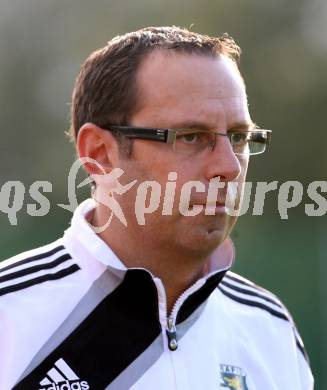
(189, 142)
(249, 143)
(258, 141)
(240, 143)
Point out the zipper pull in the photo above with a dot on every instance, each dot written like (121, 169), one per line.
(171, 334)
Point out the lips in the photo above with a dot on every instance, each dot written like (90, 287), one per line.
(218, 203)
(215, 208)
(210, 208)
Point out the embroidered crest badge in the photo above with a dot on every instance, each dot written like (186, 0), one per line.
(232, 377)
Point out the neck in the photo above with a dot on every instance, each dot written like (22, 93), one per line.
(177, 272)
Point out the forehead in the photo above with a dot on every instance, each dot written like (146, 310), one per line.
(176, 87)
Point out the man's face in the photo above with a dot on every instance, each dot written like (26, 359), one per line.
(182, 90)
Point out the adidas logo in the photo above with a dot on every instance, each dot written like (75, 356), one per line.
(62, 377)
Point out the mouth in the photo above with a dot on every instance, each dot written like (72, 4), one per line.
(210, 208)
(215, 208)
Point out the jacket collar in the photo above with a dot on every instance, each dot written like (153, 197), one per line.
(95, 248)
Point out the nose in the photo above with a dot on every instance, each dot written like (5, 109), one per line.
(222, 161)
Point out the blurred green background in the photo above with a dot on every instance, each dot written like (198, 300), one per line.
(284, 62)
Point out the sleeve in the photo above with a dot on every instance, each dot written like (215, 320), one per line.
(6, 351)
(305, 373)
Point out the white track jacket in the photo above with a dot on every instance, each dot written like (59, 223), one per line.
(72, 316)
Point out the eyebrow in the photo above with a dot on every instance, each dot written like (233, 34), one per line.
(191, 125)
(244, 126)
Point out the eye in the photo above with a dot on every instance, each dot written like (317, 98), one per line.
(239, 138)
(190, 138)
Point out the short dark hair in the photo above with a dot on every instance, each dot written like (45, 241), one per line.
(105, 90)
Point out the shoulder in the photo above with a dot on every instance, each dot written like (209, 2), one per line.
(246, 292)
(38, 290)
(31, 268)
(252, 297)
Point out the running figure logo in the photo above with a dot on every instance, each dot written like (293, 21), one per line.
(111, 183)
(108, 199)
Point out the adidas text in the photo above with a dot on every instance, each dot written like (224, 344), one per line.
(78, 385)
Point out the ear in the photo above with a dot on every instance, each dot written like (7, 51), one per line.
(94, 143)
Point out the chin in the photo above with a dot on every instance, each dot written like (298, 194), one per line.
(214, 238)
(202, 241)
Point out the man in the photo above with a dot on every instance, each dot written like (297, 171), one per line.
(148, 301)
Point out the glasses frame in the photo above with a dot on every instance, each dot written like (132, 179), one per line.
(168, 136)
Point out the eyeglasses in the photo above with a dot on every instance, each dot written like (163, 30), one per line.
(190, 142)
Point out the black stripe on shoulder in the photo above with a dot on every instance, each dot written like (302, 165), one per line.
(274, 299)
(286, 317)
(238, 279)
(35, 268)
(272, 312)
(301, 347)
(32, 258)
(40, 279)
(255, 304)
(250, 292)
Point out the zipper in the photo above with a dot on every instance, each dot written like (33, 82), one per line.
(169, 321)
(171, 334)
(172, 318)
